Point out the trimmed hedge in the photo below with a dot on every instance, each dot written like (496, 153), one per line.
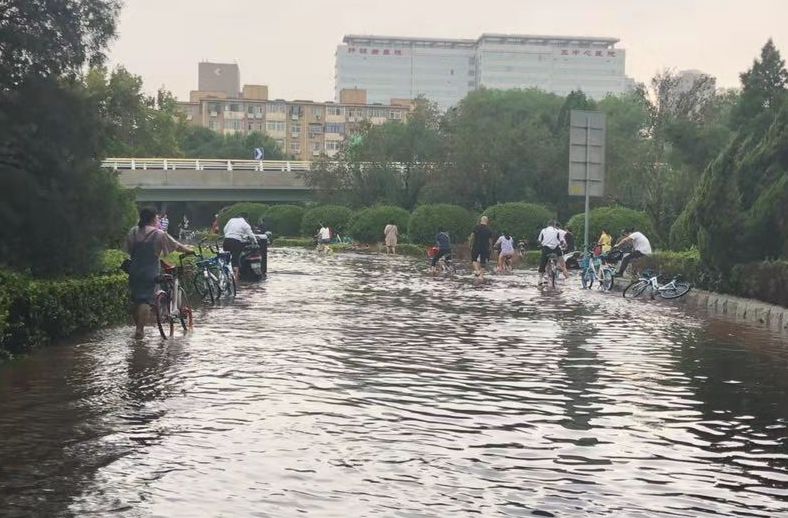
(615, 219)
(762, 280)
(284, 220)
(425, 221)
(368, 224)
(521, 220)
(255, 211)
(35, 312)
(336, 217)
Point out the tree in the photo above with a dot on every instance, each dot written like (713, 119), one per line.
(762, 86)
(52, 38)
(51, 183)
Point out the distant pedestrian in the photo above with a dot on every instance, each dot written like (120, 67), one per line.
(215, 224)
(391, 232)
(164, 221)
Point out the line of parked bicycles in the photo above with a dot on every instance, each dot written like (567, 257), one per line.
(212, 280)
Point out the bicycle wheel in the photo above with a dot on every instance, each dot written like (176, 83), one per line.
(588, 278)
(184, 310)
(635, 289)
(230, 289)
(607, 280)
(679, 289)
(161, 306)
(203, 285)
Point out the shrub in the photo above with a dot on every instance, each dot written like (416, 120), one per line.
(426, 219)
(614, 219)
(284, 220)
(686, 263)
(39, 311)
(762, 280)
(335, 216)
(255, 211)
(521, 220)
(368, 224)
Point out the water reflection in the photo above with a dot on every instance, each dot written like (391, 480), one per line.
(358, 386)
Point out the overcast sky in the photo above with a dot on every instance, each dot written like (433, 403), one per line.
(289, 45)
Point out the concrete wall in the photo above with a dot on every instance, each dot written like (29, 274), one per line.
(748, 310)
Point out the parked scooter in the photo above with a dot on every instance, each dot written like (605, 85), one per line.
(254, 258)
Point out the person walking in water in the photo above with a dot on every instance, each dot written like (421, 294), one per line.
(480, 247)
(146, 243)
(390, 233)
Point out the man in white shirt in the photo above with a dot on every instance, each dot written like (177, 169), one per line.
(641, 247)
(237, 232)
(323, 237)
(551, 240)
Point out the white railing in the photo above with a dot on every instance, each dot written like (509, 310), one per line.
(202, 164)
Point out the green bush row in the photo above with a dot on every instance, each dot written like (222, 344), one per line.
(35, 312)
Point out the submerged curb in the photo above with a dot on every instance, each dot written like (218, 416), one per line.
(747, 310)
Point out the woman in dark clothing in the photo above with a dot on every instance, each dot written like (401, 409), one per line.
(145, 244)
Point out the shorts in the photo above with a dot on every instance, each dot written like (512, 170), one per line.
(480, 255)
(235, 247)
(324, 241)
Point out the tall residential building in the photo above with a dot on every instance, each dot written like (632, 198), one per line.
(445, 70)
(302, 129)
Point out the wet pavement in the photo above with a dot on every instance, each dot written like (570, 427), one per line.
(357, 385)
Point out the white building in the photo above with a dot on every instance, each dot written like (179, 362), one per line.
(446, 70)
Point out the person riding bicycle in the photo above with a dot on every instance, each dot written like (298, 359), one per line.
(550, 240)
(237, 232)
(641, 247)
(443, 243)
(505, 245)
(145, 244)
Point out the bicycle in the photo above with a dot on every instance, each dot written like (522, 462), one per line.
(597, 268)
(551, 269)
(206, 280)
(170, 303)
(224, 272)
(444, 265)
(649, 280)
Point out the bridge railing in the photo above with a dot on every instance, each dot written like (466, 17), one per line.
(202, 164)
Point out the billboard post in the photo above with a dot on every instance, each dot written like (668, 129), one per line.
(587, 133)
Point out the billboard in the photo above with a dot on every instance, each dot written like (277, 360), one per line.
(587, 134)
(219, 77)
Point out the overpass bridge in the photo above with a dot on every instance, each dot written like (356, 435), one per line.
(182, 179)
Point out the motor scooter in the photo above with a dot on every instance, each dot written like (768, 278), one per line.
(253, 260)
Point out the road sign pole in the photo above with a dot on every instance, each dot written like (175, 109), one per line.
(588, 178)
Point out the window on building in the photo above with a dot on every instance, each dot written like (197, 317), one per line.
(335, 127)
(295, 147)
(395, 115)
(334, 110)
(317, 146)
(276, 108)
(232, 124)
(295, 130)
(317, 111)
(213, 124)
(275, 126)
(214, 108)
(315, 130)
(332, 145)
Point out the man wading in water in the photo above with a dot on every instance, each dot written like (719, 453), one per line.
(146, 244)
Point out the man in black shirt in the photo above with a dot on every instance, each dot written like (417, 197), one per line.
(480, 248)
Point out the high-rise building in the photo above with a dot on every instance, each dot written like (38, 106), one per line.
(302, 129)
(445, 70)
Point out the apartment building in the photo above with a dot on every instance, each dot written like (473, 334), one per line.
(446, 70)
(303, 129)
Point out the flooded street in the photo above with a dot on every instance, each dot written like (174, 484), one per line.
(357, 385)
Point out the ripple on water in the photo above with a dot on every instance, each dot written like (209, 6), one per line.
(355, 385)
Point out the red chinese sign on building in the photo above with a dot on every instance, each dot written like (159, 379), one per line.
(589, 52)
(374, 52)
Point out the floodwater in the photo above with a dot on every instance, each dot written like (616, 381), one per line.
(352, 385)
